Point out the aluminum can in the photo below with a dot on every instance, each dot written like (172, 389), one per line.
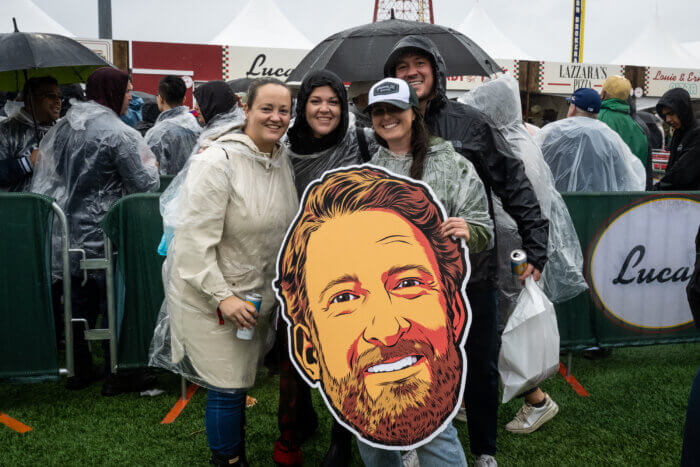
(518, 262)
(255, 300)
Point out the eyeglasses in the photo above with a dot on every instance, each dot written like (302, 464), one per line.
(380, 111)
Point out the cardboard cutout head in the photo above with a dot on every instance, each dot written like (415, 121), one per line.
(374, 297)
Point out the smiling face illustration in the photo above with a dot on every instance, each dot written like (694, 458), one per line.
(375, 307)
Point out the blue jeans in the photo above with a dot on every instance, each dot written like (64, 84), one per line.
(444, 449)
(224, 417)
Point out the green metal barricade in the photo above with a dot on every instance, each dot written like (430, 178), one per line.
(644, 229)
(134, 227)
(28, 346)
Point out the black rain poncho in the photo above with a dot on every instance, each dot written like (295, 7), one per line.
(17, 139)
(562, 278)
(311, 156)
(89, 160)
(584, 154)
(683, 170)
(173, 138)
(474, 136)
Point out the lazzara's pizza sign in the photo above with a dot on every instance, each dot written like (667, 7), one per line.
(642, 261)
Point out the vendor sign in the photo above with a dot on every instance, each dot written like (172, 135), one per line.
(642, 261)
(565, 78)
(659, 80)
(258, 62)
(467, 83)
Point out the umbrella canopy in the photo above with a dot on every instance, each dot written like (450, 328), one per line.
(30, 55)
(240, 84)
(358, 54)
(147, 98)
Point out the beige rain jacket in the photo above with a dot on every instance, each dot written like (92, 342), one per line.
(235, 207)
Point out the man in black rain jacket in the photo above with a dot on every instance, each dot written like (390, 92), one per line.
(683, 170)
(475, 137)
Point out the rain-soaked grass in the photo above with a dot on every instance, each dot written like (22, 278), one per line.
(634, 416)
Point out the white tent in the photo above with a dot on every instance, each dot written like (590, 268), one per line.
(693, 48)
(30, 18)
(479, 27)
(655, 46)
(262, 24)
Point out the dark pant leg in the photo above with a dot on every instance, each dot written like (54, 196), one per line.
(691, 433)
(223, 420)
(295, 414)
(87, 304)
(481, 394)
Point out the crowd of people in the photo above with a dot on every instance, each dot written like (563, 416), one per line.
(243, 162)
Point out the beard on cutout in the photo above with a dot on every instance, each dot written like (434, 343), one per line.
(405, 412)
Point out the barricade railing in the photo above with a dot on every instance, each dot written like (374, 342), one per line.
(29, 344)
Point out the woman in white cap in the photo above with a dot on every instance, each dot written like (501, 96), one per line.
(407, 148)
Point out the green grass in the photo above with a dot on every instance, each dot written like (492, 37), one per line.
(634, 416)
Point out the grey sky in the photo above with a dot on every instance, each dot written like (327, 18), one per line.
(540, 27)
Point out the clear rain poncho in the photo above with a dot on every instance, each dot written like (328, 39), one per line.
(562, 277)
(454, 181)
(217, 127)
(87, 162)
(230, 213)
(310, 167)
(584, 154)
(173, 138)
(18, 138)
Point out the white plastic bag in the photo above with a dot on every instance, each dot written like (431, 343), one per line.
(530, 343)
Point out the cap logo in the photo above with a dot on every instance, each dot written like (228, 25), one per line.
(385, 89)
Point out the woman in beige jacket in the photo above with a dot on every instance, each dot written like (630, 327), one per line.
(237, 200)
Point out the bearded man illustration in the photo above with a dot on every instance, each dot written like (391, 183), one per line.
(374, 297)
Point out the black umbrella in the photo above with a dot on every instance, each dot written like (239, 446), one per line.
(25, 55)
(240, 84)
(147, 98)
(358, 54)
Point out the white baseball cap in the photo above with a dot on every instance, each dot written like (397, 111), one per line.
(394, 91)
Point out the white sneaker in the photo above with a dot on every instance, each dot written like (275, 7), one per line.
(461, 415)
(485, 460)
(529, 418)
(410, 459)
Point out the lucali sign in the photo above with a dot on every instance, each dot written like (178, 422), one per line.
(256, 62)
(641, 263)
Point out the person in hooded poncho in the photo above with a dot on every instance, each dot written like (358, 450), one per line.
(407, 148)
(87, 162)
(562, 278)
(683, 170)
(418, 60)
(175, 131)
(230, 217)
(320, 139)
(22, 132)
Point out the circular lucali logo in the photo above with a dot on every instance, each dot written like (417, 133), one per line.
(642, 262)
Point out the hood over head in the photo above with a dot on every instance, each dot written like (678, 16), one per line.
(214, 98)
(301, 138)
(678, 100)
(424, 46)
(499, 99)
(107, 86)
